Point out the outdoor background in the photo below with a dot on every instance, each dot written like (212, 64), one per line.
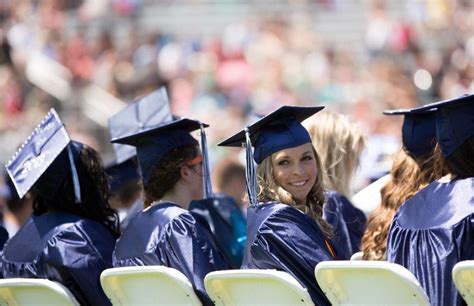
(224, 60)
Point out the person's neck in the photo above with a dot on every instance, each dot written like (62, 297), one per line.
(179, 197)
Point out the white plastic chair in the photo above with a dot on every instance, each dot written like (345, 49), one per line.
(369, 283)
(463, 277)
(357, 256)
(255, 287)
(34, 292)
(147, 285)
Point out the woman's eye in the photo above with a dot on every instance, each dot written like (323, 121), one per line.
(283, 163)
(307, 157)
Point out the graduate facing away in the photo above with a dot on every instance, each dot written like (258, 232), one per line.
(286, 230)
(434, 230)
(165, 233)
(71, 235)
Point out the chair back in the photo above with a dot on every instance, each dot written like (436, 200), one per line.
(255, 287)
(34, 292)
(147, 285)
(369, 283)
(463, 277)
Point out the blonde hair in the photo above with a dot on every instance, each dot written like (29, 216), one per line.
(269, 190)
(408, 176)
(339, 143)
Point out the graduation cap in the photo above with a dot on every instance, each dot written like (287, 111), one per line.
(454, 121)
(121, 173)
(44, 158)
(153, 144)
(278, 130)
(142, 114)
(418, 130)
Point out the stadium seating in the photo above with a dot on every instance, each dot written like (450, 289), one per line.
(369, 283)
(149, 285)
(34, 292)
(255, 287)
(463, 277)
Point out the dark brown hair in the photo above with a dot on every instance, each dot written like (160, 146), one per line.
(94, 193)
(460, 163)
(168, 172)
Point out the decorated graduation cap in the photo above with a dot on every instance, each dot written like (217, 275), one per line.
(153, 144)
(141, 115)
(281, 129)
(454, 121)
(418, 130)
(44, 159)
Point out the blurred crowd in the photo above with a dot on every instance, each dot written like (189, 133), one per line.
(419, 52)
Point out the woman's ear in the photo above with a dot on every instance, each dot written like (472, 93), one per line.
(186, 174)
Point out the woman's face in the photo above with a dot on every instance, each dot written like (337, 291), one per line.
(294, 169)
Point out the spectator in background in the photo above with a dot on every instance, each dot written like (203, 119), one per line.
(339, 143)
(229, 178)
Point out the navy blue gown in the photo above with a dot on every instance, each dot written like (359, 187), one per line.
(348, 222)
(65, 248)
(432, 232)
(223, 218)
(167, 235)
(283, 238)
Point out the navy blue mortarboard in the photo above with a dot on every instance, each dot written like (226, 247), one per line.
(43, 161)
(278, 130)
(141, 115)
(122, 173)
(418, 130)
(152, 145)
(454, 121)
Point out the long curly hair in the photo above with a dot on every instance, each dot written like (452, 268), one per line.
(339, 143)
(94, 193)
(269, 190)
(407, 177)
(167, 173)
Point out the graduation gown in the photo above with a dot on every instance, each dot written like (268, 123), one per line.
(65, 248)
(224, 219)
(167, 235)
(283, 238)
(433, 231)
(348, 222)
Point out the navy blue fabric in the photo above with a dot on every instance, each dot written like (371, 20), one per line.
(454, 121)
(432, 232)
(348, 222)
(3, 237)
(418, 130)
(63, 248)
(278, 130)
(283, 238)
(224, 219)
(152, 145)
(44, 151)
(168, 235)
(121, 173)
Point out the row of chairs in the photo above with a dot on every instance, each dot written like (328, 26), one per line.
(343, 282)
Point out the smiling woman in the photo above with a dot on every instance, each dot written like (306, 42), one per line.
(286, 230)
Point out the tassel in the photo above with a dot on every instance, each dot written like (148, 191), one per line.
(75, 177)
(250, 173)
(208, 193)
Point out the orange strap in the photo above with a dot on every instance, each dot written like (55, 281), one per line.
(197, 160)
(330, 248)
